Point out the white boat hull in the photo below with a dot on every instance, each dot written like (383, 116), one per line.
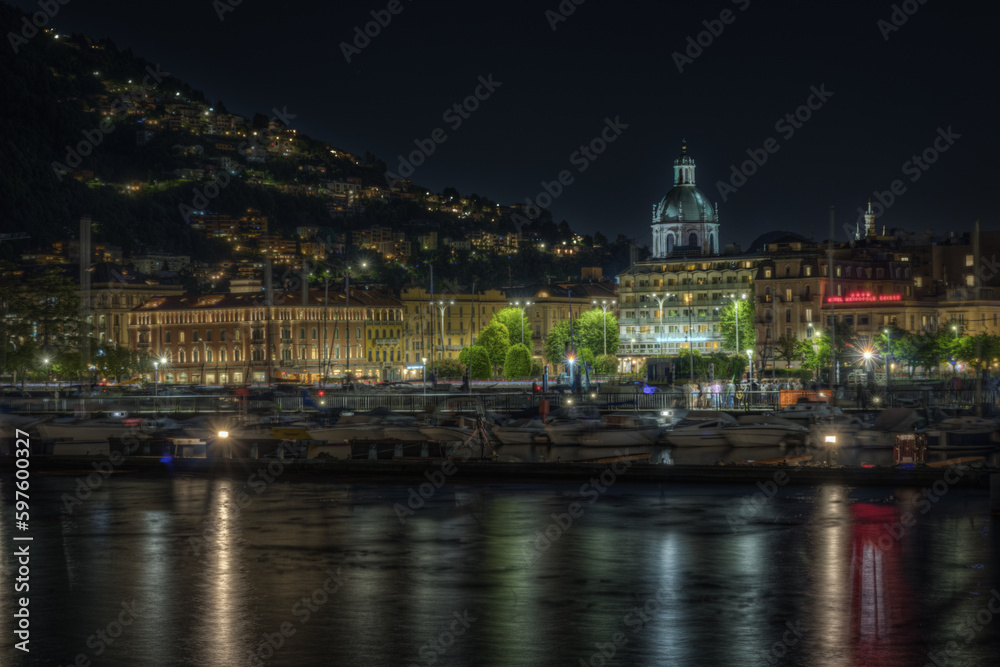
(748, 436)
(619, 437)
(706, 437)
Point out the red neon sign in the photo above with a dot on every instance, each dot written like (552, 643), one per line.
(864, 297)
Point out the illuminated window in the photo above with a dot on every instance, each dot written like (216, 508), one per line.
(969, 260)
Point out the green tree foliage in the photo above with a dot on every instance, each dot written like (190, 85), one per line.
(787, 348)
(555, 345)
(589, 331)
(495, 339)
(446, 369)
(606, 364)
(515, 323)
(480, 367)
(463, 356)
(517, 365)
(747, 330)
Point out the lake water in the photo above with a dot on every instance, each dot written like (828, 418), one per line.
(195, 570)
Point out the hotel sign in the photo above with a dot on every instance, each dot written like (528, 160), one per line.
(864, 297)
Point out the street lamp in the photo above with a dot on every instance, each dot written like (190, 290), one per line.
(659, 301)
(45, 365)
(442, 306)
(423, 374)
(604, 306)
(888, 366)
(750, 362)
(687, 301)
(517, 304)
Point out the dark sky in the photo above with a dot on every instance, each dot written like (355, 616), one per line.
(616, 60)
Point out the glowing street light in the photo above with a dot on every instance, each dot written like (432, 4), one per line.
(750, 362)
(442, 306)
(423, 374)
(45, 365)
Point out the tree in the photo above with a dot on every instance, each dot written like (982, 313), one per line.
(606, 364)
(517, 324)
(747, 329)
(495, 339)
(787, 348)
(593, 329)
(446, 368)
(517, 363)
(463, 356)
(479, 363)
(556, 344)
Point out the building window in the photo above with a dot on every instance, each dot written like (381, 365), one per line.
(788, 314)
(208, 336)
(166, 337)
(970, 280)
(222, 335)
(809, 270)
(767, 273)
(809, 314)
(969, 260)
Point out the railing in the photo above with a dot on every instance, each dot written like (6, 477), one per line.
(505, 402)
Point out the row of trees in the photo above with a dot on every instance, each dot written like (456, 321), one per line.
(908, 351)
(503, 347)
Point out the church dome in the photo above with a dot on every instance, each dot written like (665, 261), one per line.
(684, 202)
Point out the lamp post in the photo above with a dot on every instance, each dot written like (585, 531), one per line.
(423, 374)
(517, 304)
(659, 301)
(750, 362)
(442, 306)
(954, 361)
(687, 300)
(45, 366)
(888, 368)
(604, 305)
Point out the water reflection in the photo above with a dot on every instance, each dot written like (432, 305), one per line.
(655, 574)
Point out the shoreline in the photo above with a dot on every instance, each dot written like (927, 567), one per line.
(490, 472)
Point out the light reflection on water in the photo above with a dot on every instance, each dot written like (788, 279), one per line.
(656, 574)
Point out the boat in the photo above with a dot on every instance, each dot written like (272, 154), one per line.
(525, 431)
(808, 410)
(763, 431)
(93, 430)
(963, 432)
(700, 428)
(622, 430)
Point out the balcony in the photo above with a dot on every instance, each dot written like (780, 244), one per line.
(386, 341)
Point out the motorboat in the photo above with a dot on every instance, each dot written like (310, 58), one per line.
(68, 428)
(763, 431)
(808, 411)
(849, 431)
(568, 425)
(700, 428)
(963, 432)
(623, 430)
(525, 431)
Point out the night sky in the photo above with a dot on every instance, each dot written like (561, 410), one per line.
(892, 89)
